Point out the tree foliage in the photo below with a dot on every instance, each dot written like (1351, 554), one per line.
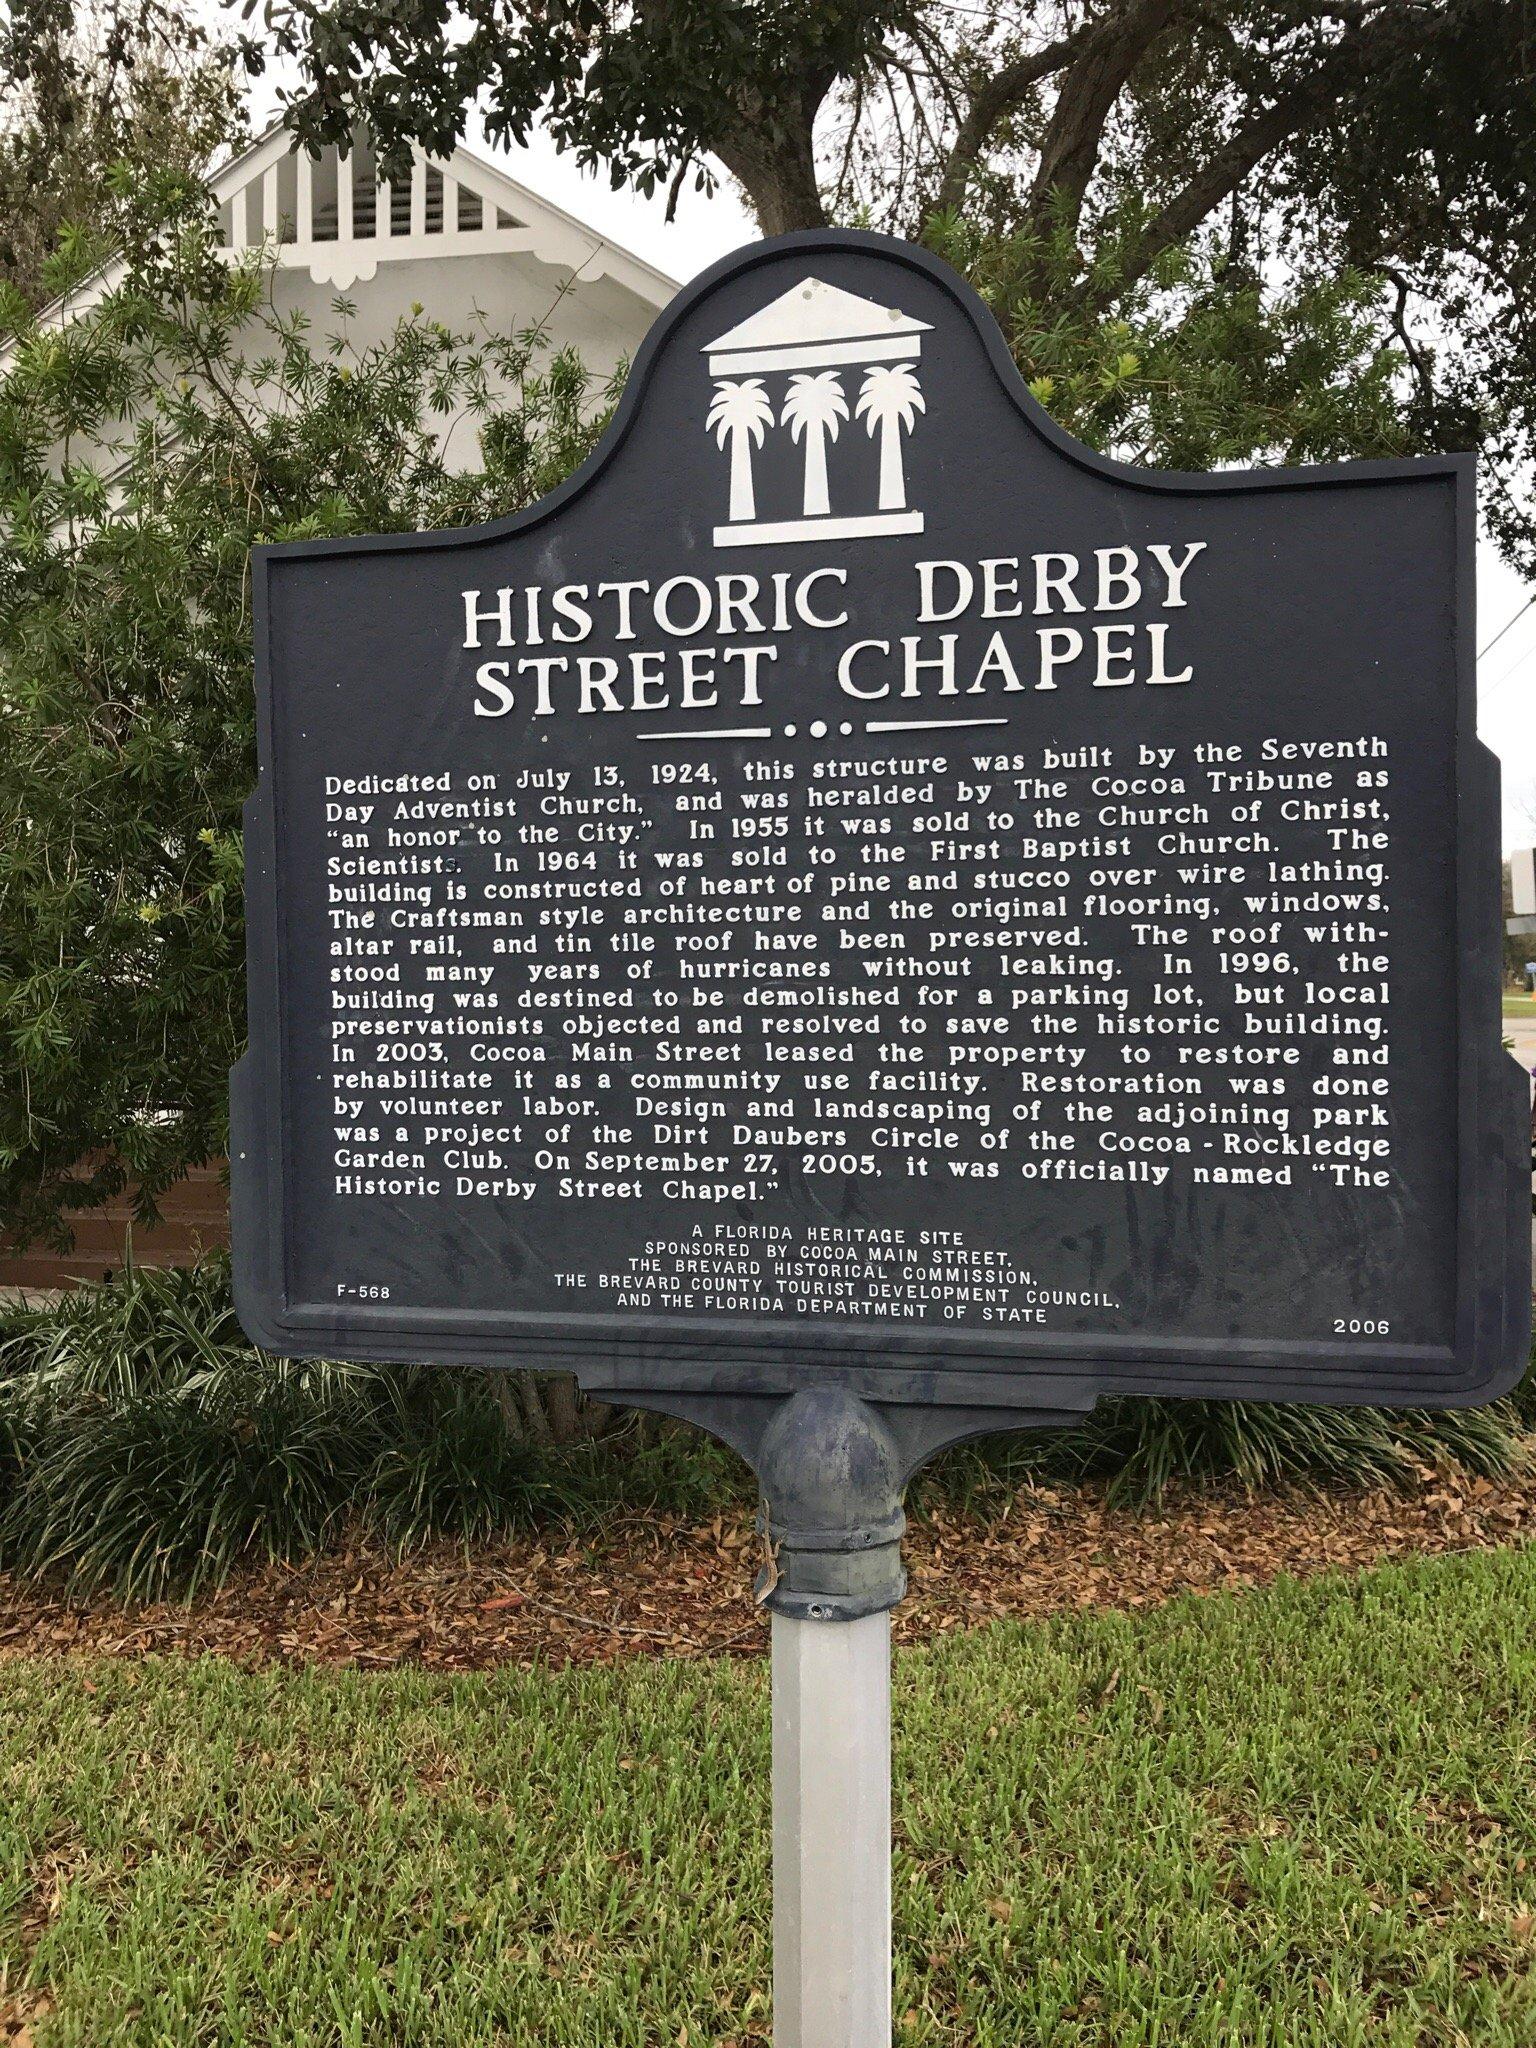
(130, 81)
(145, 446)
(147, 1446)
(1192, 367)
(1382, 147)
(1268, 232)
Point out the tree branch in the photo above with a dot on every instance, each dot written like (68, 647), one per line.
(778, 178)
(767, 141)
(1418, 359)
(1224, 173)
(996, 98)
(1372, 35)
(1111, 52)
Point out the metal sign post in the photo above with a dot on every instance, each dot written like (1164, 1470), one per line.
(833, 1470)
(832, 1833)
(832, 1522)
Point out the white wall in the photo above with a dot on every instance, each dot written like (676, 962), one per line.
(478, 295)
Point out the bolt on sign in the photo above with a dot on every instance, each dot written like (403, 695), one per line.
(856, 891)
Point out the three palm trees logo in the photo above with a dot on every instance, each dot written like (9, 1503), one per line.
(820, 336)
(741, 414)
(889, 402)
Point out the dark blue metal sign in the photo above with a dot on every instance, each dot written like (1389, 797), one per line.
(856, 890)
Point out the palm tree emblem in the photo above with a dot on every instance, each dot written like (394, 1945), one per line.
(741, 414)
(813, 408)
(889, 402)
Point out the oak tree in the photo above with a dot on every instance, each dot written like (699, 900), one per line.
(137, 82)
(1278, 144)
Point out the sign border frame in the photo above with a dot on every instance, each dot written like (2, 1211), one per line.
(617, 1354)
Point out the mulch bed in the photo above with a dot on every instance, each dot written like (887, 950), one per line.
(656, 1586)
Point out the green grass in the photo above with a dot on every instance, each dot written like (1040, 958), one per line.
(1301, 1819)
(1519, 1006)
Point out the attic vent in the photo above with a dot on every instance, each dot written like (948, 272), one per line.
(337, 199)
(434, 200)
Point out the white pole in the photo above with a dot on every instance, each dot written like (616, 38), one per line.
(832, 1832)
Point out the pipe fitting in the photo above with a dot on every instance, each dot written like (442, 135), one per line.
(832, 1479)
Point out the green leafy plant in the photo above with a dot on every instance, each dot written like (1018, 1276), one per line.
(1142, 1447)
(1195, 364)
(147, 1446)
(83, 89)
(145, 446)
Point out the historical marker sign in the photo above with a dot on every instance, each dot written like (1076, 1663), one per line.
(854, 887)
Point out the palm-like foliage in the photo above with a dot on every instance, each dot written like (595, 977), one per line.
(146, 1445)
(742, 413)
(814, 407)
(889, 402)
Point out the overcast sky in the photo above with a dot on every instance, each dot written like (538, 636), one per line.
(708, 228)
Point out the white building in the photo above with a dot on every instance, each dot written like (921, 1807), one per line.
(461, 239)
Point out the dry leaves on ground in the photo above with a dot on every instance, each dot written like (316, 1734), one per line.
(658, 1586)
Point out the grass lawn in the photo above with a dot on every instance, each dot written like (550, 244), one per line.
(1303, 1818)
(1519, 1006)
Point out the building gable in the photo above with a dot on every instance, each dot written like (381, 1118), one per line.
(333, 217)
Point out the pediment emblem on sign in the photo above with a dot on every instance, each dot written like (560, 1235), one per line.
(811, 361)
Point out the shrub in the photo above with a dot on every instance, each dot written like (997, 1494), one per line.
(146, 1446)
(145, 446)
(1141, 1447)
